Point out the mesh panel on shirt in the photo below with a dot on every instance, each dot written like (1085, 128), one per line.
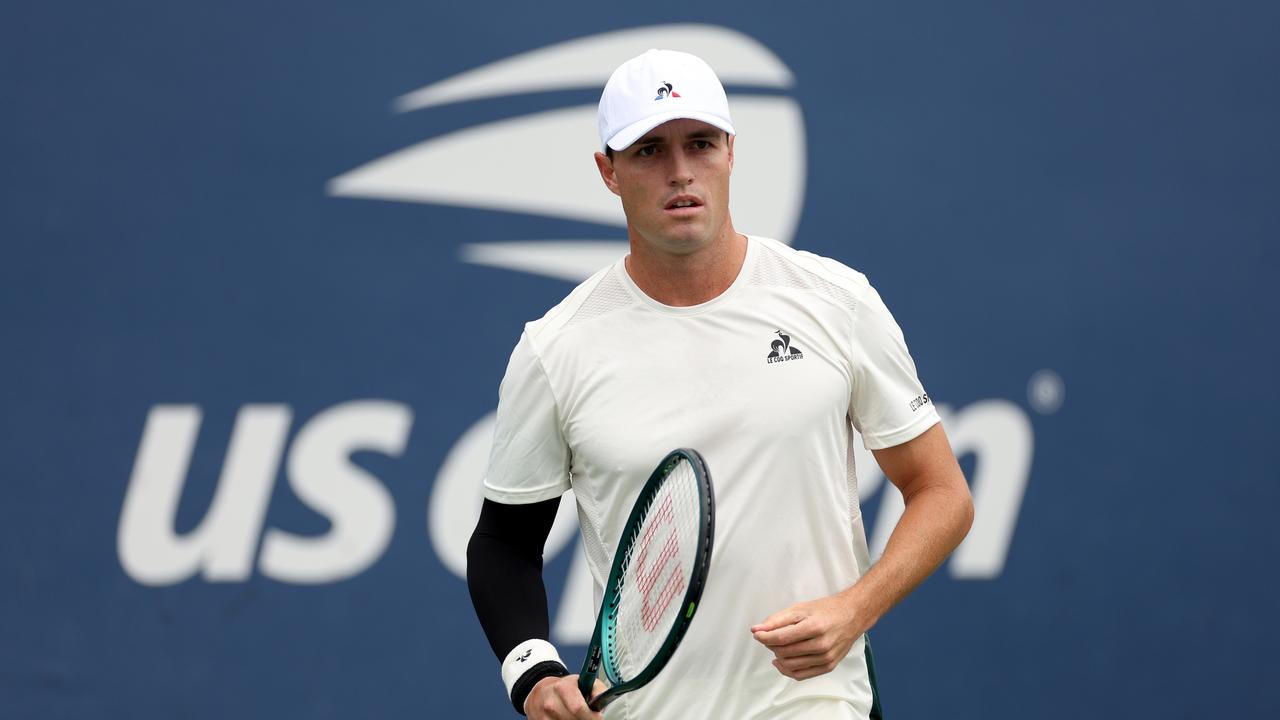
(608, 295)
(592, 543)
(772, 270)
(851, 472)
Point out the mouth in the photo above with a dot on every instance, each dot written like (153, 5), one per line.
(683, 204)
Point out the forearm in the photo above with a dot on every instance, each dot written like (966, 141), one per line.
(938, 514)
(507, 592)
(811, 637)
(504, 573)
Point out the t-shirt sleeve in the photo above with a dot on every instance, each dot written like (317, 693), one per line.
(529, 461)
(889, 405)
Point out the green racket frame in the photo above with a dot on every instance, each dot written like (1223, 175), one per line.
(601, 652)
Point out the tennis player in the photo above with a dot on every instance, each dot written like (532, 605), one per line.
(763, 358)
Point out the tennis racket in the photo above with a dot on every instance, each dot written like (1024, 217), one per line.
(658, 574)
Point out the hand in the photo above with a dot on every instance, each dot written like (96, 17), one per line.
(809, 639)
(555, 698)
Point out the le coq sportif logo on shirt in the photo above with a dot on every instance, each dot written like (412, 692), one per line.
(783, 350)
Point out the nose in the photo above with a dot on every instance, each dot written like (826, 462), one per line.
(681, 169)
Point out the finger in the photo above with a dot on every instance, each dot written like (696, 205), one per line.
(804, 673)
(799, 632)
(574, 704)
(790, 616)
(794, 664)
(597, 689)
(812, 672)
(813, 646)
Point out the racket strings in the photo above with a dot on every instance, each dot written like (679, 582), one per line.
(656, 568)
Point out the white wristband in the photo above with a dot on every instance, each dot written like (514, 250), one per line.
(526, 655)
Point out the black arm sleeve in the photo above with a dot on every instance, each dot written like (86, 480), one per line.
(504, 572)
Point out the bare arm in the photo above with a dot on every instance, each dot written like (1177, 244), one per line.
(811, 638)
(938, 514)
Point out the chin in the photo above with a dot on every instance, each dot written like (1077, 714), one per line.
(685, 245)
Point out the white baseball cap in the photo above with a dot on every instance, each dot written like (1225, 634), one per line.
(655, 87)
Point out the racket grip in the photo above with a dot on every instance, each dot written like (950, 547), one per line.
(601, 701)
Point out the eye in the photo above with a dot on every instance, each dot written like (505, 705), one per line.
(702, 144)
(647, 151)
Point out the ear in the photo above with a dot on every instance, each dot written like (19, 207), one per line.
(730, 143)
(607, 173)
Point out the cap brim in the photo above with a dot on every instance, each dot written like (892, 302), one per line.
(622, 139)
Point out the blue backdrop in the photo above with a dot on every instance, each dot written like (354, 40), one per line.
(263, 265)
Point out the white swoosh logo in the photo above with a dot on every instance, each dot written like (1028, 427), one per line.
(586, 63)
(561, 181)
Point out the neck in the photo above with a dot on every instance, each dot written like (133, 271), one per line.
(687, 279)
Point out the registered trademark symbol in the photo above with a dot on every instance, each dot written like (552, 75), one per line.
(1046, 392)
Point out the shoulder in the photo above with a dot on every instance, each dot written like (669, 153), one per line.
(782, 264)
(595, 296)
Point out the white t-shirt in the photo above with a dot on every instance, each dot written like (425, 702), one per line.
(765, 381)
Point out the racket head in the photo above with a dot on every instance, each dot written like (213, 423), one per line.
(659, 570)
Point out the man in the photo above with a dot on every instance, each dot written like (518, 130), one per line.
(764, 359)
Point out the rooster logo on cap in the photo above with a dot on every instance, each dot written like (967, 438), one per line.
(664, 90)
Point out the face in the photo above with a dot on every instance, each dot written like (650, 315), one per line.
(674, 185)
